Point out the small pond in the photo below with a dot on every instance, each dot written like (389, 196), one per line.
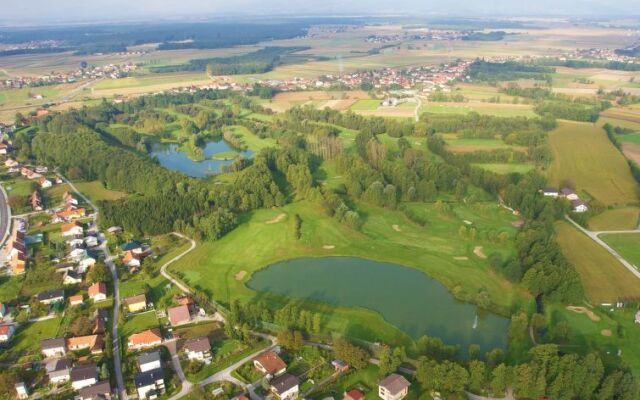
(170, 157)
(405, 297)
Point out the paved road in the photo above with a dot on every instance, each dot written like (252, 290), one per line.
(172, 345)
(595, 238)
(117, 363)
(5, 216)
(417, 111)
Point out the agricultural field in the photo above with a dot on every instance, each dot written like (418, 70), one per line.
(496, 109)
(507, 168)
(604, 279)
(594, 166)
(622, 218)
(626, 244)
(337, 100)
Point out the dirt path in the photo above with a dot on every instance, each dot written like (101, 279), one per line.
(277, 219)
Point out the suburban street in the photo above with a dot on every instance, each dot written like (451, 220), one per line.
(5, 215)
(117, 363)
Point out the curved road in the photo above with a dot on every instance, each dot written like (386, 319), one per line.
(163, 269)
(5, 215)
(117, 363)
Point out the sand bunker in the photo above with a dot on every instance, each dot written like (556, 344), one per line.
(584, 310)
(276, 219)
(328, 247)
(396, 228)
(606, 332)
(461, 258)
(478, 252)
(240, 275)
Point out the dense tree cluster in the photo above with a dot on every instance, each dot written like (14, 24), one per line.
(508, 71)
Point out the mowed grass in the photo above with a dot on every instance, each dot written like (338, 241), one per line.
(28, 337)
(497, 109)
(222, 268)
(583, 154)
(627, 245)
(252, 141)
(507, 168)
(623, 218)
(95, 191)
(364, 105)
(605, 280)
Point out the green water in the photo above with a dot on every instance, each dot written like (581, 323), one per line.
(405, 297)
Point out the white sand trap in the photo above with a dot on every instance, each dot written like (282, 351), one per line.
(466, 221)
(328, 247)
(240, 275)
(606, 332)
(461, 258)
(584, 310)
(276, 219)
(396, 228)
(478, 252)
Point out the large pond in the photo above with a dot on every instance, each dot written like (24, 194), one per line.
(406, 297)
(170, 157)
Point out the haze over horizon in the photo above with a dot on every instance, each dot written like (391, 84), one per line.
(16, 12)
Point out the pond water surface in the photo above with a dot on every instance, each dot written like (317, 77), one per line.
(406, 297)
(170, 157)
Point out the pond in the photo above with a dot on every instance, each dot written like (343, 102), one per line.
(170, 157)
(405, 297)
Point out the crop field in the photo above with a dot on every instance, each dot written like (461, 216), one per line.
(497, 109)
(258, 244)
(623, 218)
(95, 191)
(338, 100)
(583, 155)
(629, 115)
(627, 244)
(605, 280)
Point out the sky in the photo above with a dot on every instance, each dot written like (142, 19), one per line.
(24, 11)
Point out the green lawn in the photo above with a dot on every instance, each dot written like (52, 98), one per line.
(95, 191)
(429, 249)
(252, 141)
(507, 168)
(620, 218)
(225, 353)
(366, 104)
(27, 339)
(627, 244)
(138, 323)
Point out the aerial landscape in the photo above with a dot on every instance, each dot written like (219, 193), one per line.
(321, 200)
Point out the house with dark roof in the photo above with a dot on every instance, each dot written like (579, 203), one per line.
(99, 391)
(149, 361)
(198, 349)
(285, 387)
(393, 387)
(83, 376)
(51, 296)
(58, 370)
(579, 206)
(149, 384)
(56, 347)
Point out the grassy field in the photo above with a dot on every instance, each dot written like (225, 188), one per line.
(256, 244)
(252, 141)
(365, 105)
(507, 168)
(138, 323)
(627, 244)
(95, 191)
(497, 109)
(28, 337)
(623, 218)
(605, 280)
(583, 155)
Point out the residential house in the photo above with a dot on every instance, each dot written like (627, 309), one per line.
(76, 300)
(64, 267)
(550, 192)
(85, 263)
(393, 387)
(58, 370)
(114, 230)
(98, 291)
(51, 296)
(69, 200)
(353, 394)
(340, 366)
(18, 264)
(77, 254)
(136, 303)
(91, 241)
(285, 386)
(45, 183)
(83, 376)
(637, 319)
(95, 343)
(3, 310)
(149, 361)
(10, 163)
(56, 347)
(145, 339)
(198, 349)
(150, 384)
(131, 245)
(72, 229)
(21, 391)
(69, 214)
(579, 206)
(269, 363)
(4, 149)
(75, 243)
(99, 391)
(6, 332)
(36, 201)
(178, 315)
(569, 194)
(72, 278)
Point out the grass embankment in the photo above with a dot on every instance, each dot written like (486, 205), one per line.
(216, 266)
(583, 154)
(605, 280)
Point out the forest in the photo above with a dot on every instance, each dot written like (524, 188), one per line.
(509, 71)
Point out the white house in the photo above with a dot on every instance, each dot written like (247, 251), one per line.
(149, 361)
(550, 192)
(75, 243)
(71, 278)
(98, 291)
(579, 206)
(72, 229)
(198, 349)
(45, 183)
(393, 387)
(638, 317)
(150, 384)
(56, 347)
(58, 370)
(83, 376)
(85, 263)
(77, 254)
(21, 391)
(285, 387)
(91, 241)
